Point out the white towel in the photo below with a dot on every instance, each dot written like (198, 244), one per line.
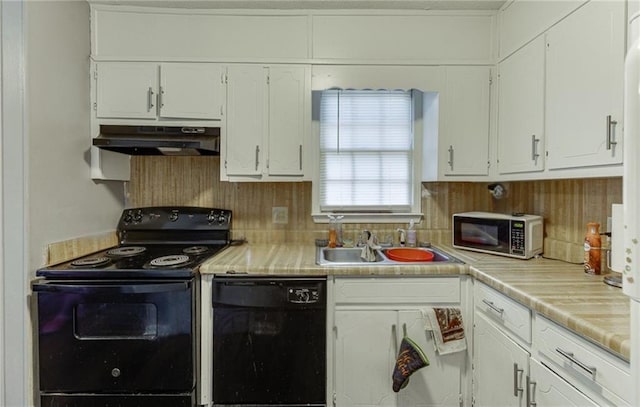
(368, 252)
(447, 329)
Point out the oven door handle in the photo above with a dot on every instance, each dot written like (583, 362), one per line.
(110, 288)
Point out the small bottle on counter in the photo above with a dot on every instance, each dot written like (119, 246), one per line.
(335, 231)
(592, 249)
(411, 235)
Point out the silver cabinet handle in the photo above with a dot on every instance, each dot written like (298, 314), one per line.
(257, 157)
(450, 162)
(534, 148)
(149, 99)
(300, 156)
(610, 125)
(160, 97)
(591, 370)
(493, 307)
(394, 336)
(531, 393)
(516, 390)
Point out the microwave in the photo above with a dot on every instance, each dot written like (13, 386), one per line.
(518, 235)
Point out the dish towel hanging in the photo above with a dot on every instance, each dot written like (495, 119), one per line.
(410, 358)
(447, 329)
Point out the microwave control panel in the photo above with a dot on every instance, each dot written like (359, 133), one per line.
(517, 237)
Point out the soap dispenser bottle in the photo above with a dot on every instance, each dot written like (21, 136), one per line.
(411, 235)
(402, 233)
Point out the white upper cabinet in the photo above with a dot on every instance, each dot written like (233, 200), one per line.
(267, 123)
(191, 90)
(126, 90)
(288, 107)
(585, 71)
(140, 90)
(246, 119)
(521, 110)
(521, 20)
(464, 132)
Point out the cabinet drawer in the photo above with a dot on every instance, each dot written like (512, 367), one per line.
(508, 313)
(585, 365)
(397, 290)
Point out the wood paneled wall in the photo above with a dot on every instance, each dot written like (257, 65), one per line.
(566, 205)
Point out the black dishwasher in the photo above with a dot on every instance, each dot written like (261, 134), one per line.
(269, 341)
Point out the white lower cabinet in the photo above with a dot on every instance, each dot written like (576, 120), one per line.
(499, 366)
(537, 362)
(545, 388)
(602, 376)
(370, 318)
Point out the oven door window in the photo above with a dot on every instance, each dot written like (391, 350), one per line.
(107, 337)
(116, 321)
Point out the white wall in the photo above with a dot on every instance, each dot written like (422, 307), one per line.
(63, 201)
(47, 193)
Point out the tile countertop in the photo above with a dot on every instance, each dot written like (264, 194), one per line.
(558, 290)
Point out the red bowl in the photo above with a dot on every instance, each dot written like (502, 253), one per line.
(409, 254)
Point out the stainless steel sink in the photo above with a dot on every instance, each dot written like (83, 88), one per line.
(342, 256)
(346, 255)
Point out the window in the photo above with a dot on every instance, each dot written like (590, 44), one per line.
(367, 154)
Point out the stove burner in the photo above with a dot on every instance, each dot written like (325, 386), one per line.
(126, 251)
(195, 250)
(170, 261)
(91, 262)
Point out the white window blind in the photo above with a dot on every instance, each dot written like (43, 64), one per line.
(366, 151)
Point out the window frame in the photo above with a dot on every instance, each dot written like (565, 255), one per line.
(415, 212)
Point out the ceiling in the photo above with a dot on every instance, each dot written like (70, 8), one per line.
(317, 4)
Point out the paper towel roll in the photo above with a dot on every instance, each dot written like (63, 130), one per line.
(617, 238)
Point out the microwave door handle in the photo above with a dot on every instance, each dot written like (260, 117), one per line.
(111, 288)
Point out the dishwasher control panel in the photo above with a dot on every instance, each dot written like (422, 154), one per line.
(303, 295)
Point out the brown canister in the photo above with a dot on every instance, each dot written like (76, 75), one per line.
(592, 249)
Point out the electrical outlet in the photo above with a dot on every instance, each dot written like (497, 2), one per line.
(280, 215)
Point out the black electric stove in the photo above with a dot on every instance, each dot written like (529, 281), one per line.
(120, 327)
(154, 242)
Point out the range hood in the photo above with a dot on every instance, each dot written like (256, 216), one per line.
(159, 140)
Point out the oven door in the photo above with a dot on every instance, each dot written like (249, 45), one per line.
(116, 336)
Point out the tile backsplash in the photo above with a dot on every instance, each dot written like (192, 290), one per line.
(566, 205)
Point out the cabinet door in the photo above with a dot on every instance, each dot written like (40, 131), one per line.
(499, 367)
(584, 85)
(548, 389)
(465, 146)
(246, 119)
(126, 90)
(288, 104)
(438, 384)
(365, 352)
(191, 91)
(520, 110)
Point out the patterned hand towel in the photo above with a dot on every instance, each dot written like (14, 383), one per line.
(410, 358)
(447, 329)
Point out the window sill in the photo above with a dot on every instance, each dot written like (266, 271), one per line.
(369, 217)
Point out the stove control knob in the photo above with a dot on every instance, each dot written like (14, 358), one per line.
(137, 216)
(222, 219)
(211, 217)
(128, 218)
(115, 372)
(173, 216)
